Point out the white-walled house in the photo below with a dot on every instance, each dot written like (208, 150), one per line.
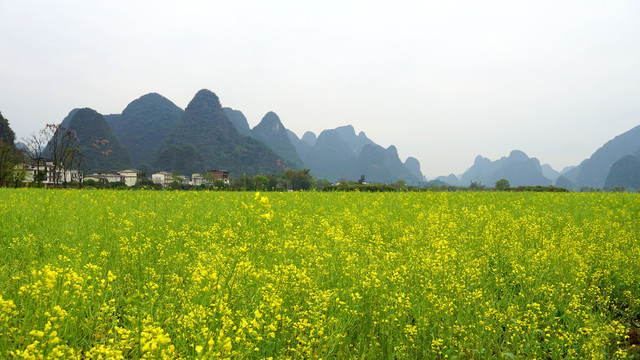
(162, 178)
(50, 177)
(128, 177)
(197, 179)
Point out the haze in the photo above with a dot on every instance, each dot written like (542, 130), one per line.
(443, 81)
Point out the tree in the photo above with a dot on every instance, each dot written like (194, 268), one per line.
(274, 183)
(62, 149)
(361, 181)
(261, 182)
(36, 143)
(298, 179)
(476, 186)
(322, 184)
(399, 185)
(17, 177)
(243, 183)
(146, 168)
(8, 155)
(502, 185)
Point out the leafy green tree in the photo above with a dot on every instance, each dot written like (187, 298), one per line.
(10, 156)
(399, 185)
(502, 185)
(298, 179)
(7, 163)
(274, 183)
(476, 186)
(323, 184)
(176, 180)
(145, 168)
(242, 183)
(17, 177)
(261, 182)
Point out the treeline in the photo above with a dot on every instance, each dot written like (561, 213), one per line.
(302, 180)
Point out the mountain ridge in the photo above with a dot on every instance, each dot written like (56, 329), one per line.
(205, 133)
(101, 149)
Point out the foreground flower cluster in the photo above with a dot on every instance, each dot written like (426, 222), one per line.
(125, 274)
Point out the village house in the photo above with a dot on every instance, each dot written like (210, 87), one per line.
(165, 179)
(162, 178)
(128, 177)
(219, 175)
(47, 167)
(197, 179)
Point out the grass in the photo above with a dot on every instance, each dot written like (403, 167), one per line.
(144, 274)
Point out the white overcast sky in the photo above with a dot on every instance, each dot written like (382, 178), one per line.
(443, 81)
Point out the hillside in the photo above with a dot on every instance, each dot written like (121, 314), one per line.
(7, 135)
(355, 142)
(101, 149)
(451, 179)
(624, 173)
(303, 145)
(271, 132)
(518, 168)
(330, 158)
(143, 124)
(205, 139)
(378, 164)
(413, 165)
(593, 171)
(238, 119)
(341, 154)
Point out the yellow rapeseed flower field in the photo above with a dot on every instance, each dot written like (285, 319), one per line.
(90, 274)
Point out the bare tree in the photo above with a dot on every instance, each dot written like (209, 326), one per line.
(77, 160)
(61, 149)
(36, 143)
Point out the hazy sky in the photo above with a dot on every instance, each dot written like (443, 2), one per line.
(443, 81)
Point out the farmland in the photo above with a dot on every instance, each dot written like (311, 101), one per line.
(146, 274)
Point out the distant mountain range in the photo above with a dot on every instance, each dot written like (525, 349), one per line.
(154, 134)
(205, 139)
(613, 166)
(271, 132)
(341, 154)
(595, 171)
(517, 168)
